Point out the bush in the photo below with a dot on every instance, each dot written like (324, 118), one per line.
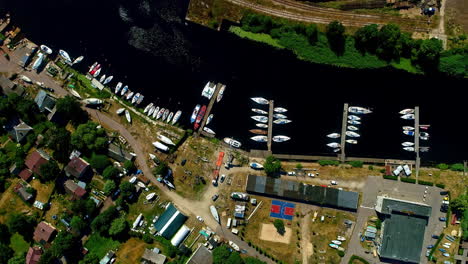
(272, 166)
(408, 180)
(378, 224)
(328, 162)
(356, 164)
(426, 183)
(370, 167)
(442, 166)
(354, 257)
(390, 177)
(129, 165)
(440, 185)
(99, 162)
(279, 224)
(457, 167)
(340, 253)
(110, 172)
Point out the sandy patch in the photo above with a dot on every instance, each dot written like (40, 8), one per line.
(268, 232)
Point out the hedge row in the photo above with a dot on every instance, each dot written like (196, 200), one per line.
(354, 257)
(440, 185)
(425, 183)
(408, 180)
(435, 246)
(329, 162)
(390, 177)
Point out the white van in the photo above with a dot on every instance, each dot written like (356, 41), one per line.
(228, 225)
(235, 231)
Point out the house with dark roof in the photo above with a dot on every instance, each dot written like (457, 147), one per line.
(44, 233)
(74, 190)
(21, 190)
(403, 227)
(201, 256)
(25, 174)
(9, 87)
(34, 255)
(45, 101)
(118, 153)
(152, 257)
(77, 167)
(35, 160)
(17, 129)
(169, 222)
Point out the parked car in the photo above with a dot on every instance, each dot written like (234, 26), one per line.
(311, 175)
(183, 162)
(446, 198)
(49, 89)
(215, 197)
(291, 173)
(199, 218)
(435, 236)
(443, 219)
(333, 182)
(223, 176)
(430, 246)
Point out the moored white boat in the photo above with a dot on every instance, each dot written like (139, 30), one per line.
(260, 100)
(120, 111)
(46, 49)
(353, 117)
(259, 138)
(151, 110)
(165, 115)
(262, 119)
(280, 110)
(160, 146)
(279, 116)
(177, 115)
(78, 60)
(108, 80)
(282, 121)
(135, 98)
(165, 140)
(209, 130)
(169, 117)
(92, 67)
(232, 142)
(261, 125)
(220, 93)
(408, 116)
(407, 111)
(352, 128)
(118, 87)
(160, 113)
(409, 148)
(208, 120)
(354, 122)
(407, 144)
(147, 108)
(281, 138)
(195, 113)
(65, 56)
(102, 78)
(352, 134)
(130, 95)
(334, 145)
(408, 128)
(423, 138)
(124, 90)
(259, 111)
(359, 110)
(333, 135)
(409, 133)
(351, 141)
(336, 149)
(128, 116)
(209, 90)
(424, 134)
(155, 112)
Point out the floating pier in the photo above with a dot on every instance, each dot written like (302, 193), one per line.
(416, 140)
(208, 111)
(270, 124)
(343, 133)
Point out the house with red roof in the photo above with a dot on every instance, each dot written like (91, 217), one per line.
(34, 255)
(44, 233)
(35, 160)
(77, 167)
(25, 174)
(74, 190)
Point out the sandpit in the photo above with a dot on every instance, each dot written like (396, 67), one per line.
(268, 232)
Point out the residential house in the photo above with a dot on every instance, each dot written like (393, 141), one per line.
(9, 87)
(34, 255)
(201, 256)
(74, 190)
(17, 129)
(45, 101)
(15, 170)
(151, 257)
(77, 167)
(44, 233)
(25, 174)
(118, 153)
(107, 258)
(21, 190)
(35, 160)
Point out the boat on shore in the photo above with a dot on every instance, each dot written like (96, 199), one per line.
(260, 100)
(160, 146)
(281, 138)
(262, 119)
(258, 131)
(407, 144)
(160, 113)
(232, 142)
(282, 121)
(359, 110)
(150, 196)
(234, 246)
(351, 141)
(259, 138)
(214, 213)
(155, 112)
(124, 90)
(333, 245)
(353, 117)
(333, 135)
(407, 111)
(408, 128)
(352, 134)
(38, 62)
(255, 165)
(120, 111)
(409, 133)
(195, 113)
(336, 242)
(177, 115)
(259, 111)
(407, 116)
(279, 116)
(220, 93)
(147, 108)
(209, 130)
(353, 128)
(208, 120)
(354, 122)
(118, 87)
(75, 93)
(280, 110)
(128, 116)
(169, 118)
(166, 140)
(334, 145)
(409, 148)
(261, 125)
(92, 101)
(340, 238)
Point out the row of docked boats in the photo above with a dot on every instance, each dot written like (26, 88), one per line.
(44, 51)
(408, 114)
(199, 112)
(162, 143)
(162, 114)
(262, 119)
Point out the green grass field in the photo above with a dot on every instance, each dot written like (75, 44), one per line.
(18, 244)
(259, 37)
(101, 245)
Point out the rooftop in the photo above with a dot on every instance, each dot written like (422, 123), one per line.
(118, 153)
(25, 174)
(76, 167)
(74, 189)
(44, 101)
(44, 232)
(390, 205)
(152, 257)
(169, 222)
(35, 160)
(201, 256)
(33, 256)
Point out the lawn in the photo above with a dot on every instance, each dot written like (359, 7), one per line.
(259, 37)
(59, 203)
(101, 245)
(11, 202)
(149, 210)
(453, 180)
(18, 244)
(43, 190)
(131, 251)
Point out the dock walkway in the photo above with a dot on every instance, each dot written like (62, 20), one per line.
(208, 109)
(343, 132)
(270, 124)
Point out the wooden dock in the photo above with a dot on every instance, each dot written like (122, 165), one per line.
(343, 133)
(208, 109)
(416, 140)
(270, 124)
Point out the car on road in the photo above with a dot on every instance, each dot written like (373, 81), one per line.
(223, 176)
(311, 175)
(215, 197)
(333, 182)
(443, 219)
(199, 218)
(49, 89)
(430, 246)
(291, 173)
(435, 236)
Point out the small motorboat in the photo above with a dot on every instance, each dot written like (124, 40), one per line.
(423, 138)
(409, 148)
(220, 93)
(120, 111)
(92, 67)
(352, 134)
(232, 142)
(108, 80)
(280, 110)
(46, 49)
(424, 134)
(282, 121)
(208, 120)
(340, 238)
(169, 118)
(124, 90)
(353, 128)
(259, 111)
(336, 242)
(118, 87)
(351, 141)
(78, 60)
(151, 110)
(195, 113)
(353, 117)
(209, 130)
(261, 125)
(147, 108)
(96, 71)
(75, 93)
(156, 112)
(129, 95)
(150, 196)
(262, 119)
(176, 117)
(128, 116)
(281, 138)
(425, 127)
(333, 245)
(408, 128)
(65, 56)
(209, 90)
(259, 138)
(165, 140)
(409, 133)
(93, 101)
(359, 110)
(407, 111)
(160, 146)
(334, 145)
(407, 116)
(102, 78)
(279, 116)
(424, 149)
(165, 114)
(407, 144)
(135, 97)
(258, 131)
(336, 149)
(260, 100)
(354, 122)
(160, 113)
(255, 165)
(333, 135)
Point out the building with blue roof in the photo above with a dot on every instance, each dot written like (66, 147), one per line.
(169, 222)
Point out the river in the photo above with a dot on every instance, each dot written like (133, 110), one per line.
(148, 45)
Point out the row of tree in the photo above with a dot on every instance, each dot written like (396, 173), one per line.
(224, 255)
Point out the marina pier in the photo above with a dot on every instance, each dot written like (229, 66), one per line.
(416, 140)
(343, 133)
(208, 111)
(270, 124)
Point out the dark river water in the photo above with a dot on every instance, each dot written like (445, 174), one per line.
(147, 45)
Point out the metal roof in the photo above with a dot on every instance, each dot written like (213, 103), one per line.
(301, 192)
(44, 101)
(390, 206)
(169, 222)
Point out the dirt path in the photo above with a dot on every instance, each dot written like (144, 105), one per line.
(439, 32)
(306, 246)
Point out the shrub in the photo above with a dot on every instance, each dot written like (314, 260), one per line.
(99, 162)
(457, 167)
(340, 253)
(378, 224)
(408, 180)
(390, 177)
(279, 224)
(328, 162)
(425, 183)
(356, 164)
(354, 257)
(442, 166)
(371, 167)
(440, 185)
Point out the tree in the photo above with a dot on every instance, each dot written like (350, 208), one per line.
(279, 224)
(221, 254)
(457, 167)
(47, 258)
(126, 189)
(129, 165)
(102, 222)
(252, 260)
(336, 37)
(272, 166)
(367, 38)
(460, 204)
(63, 244)
(58, 139)
(429, 53)
(78, 224)
(234, 258)
(110, 172)
(4, 234)
(442, 166)
(109, 187)
(118, 227)
(389, 47)
(20, 223)
(99, 162)
(407, 45)
(70, 109)
(299, 166)
(5, 253)
(89, 258)
(49, 171)
(18, 259)
(89, 138)
(311, 33)
(83, 207)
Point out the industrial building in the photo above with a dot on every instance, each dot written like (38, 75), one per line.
(169, 222)
(300, 192)
(403, 227)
